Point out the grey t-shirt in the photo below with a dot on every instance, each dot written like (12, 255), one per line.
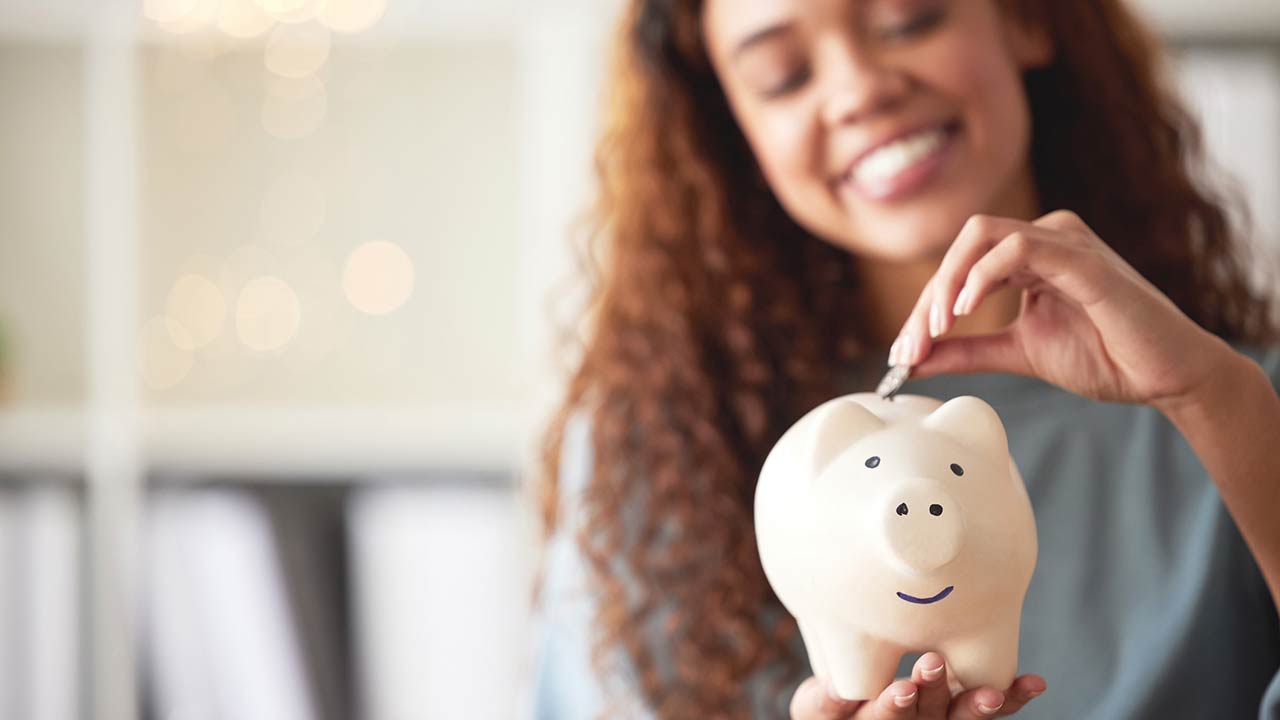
(1145, 602)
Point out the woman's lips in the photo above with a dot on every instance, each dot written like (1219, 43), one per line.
(926, 601)
(900, 168)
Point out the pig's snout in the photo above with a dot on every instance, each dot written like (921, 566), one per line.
(923, 526)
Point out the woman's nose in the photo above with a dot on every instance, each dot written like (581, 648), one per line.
(858, 84)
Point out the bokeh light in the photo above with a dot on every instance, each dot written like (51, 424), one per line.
(267, 314)
(247, 262)
(291, 11)
(378, 277)
(200, 309)
(243, 19)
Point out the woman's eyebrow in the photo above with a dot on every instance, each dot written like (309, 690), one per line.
(760, 36)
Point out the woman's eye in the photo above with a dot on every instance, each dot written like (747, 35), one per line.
(793, 81)
(917, 25)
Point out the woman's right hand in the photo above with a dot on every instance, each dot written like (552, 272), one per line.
(926, 696)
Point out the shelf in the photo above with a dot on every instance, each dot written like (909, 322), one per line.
(326, 442)
(275, 443)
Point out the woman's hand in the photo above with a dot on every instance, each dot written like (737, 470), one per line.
(1088, 323)
(925, 696)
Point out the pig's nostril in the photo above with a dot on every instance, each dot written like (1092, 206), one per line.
(935, 509)
(902, 509)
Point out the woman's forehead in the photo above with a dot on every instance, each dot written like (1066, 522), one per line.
(732, 26)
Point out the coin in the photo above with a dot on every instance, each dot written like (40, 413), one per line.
(893, 380)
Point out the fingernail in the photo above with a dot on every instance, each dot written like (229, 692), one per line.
(988, 710)
(907, 350)
(904, 700)
(893, 351)
(962, 303)
(932, 674)
(1035, 693)
(935, 319)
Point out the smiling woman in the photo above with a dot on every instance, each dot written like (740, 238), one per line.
(794, 192)
(897, 120)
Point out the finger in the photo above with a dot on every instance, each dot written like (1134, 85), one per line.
(996, 352)
(814, 701)
(1076, 271)
(913, 332)
(977, 704)
(1061, 220)
(896, 702)
(902, 349)
(979, 234)
(930, 675)
(1021, 692)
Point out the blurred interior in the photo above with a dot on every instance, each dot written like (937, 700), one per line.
(280, 282)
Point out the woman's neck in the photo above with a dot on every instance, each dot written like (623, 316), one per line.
(890, 289)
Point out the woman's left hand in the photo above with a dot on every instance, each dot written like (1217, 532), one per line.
(1088, 323)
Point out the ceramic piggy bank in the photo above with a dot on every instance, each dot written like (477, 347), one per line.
(889, 526)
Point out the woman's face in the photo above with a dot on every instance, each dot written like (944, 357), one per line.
(881, 125)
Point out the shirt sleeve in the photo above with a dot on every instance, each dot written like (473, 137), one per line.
(565, 687)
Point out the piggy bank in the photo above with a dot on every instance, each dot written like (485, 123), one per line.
(889, 526)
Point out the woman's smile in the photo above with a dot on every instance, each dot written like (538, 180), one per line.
(900, 167)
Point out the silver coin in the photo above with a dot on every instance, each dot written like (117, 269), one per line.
(893, 380)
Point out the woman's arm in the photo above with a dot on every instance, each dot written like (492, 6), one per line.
(1091, 324)
(1233, 424)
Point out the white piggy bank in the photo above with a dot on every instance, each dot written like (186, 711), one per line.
(888, 526)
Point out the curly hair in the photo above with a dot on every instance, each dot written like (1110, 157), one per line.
(716, 321)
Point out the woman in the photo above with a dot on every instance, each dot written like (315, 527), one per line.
(1001, 193)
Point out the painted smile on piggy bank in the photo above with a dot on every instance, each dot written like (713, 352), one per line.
(926, 601)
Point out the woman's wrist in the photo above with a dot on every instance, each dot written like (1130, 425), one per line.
(1232, 423)
(1227, 380)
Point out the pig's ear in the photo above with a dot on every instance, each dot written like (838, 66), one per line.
(973, 423)
(836, 425)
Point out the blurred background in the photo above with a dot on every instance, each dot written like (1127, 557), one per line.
(280, 282)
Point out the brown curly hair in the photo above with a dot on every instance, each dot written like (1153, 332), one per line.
(716, 322)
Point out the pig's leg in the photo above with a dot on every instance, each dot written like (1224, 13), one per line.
(812, 643)
(861, 666)
(990, 658)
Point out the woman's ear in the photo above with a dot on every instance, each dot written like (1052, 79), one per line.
(1029, 43)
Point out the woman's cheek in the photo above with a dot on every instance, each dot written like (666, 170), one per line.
(790, 156)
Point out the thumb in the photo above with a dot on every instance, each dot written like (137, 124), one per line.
(996, 352)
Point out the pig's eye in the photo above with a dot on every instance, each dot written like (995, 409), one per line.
(874, 460)
(957, 469)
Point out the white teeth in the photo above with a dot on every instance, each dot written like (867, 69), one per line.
(889, 160)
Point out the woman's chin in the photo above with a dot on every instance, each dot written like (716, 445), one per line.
(906, 239)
